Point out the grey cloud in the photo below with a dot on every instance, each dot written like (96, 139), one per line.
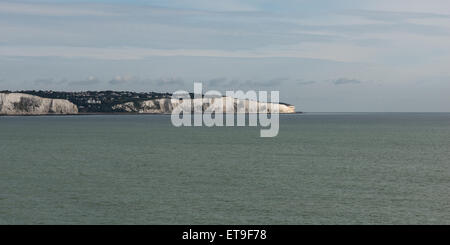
(303, 82)
(342, 81)
(169, 82)
(274, 81)
(54, 83)
(51, 9)
(218, 82)
(391, 26)
(392, 15)
(155, 83)
(48, 81)
(89, 81)
(253, 84)
(223, 82)
(118, 80)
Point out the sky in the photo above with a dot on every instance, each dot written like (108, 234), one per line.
(322, 55)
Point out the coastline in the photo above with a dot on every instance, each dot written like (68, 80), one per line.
(115, 113)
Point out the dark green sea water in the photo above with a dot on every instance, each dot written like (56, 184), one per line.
(371, 168)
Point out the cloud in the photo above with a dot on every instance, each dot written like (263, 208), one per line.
(393, 15)
(217, 82)
(54, 83)
(89, 81)
(161, 82)
(342, 81)
(274, 81)
(44, 81)
(49, 82)
(431, 6)
(303, 82)
(333, 52)
(225, 83)
(169, 81)
(118, 80)
(207, 5)
(141, 31)
(52, 9)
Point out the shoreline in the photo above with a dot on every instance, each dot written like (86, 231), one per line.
(116, 113)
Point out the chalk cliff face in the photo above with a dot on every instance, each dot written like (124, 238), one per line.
(25, 104)
(229, 105)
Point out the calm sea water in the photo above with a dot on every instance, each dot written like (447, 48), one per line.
(361, 168)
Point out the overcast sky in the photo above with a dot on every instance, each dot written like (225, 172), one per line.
(323, 56)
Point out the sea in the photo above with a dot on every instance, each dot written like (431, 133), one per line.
(322, 168)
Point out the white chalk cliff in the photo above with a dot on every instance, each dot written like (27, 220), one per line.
(25, 104)
(166, 105)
